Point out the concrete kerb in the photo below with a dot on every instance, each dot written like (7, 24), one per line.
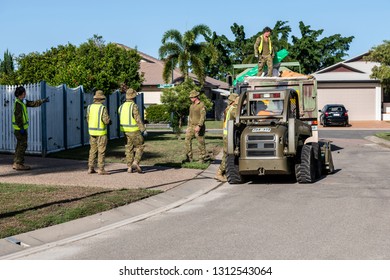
(42, 239)
(378, 140)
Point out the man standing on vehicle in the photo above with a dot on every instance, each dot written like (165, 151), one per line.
(264, 51)
(98, 119)
(134, 129)
(196, 128)
(20, 124)
(230, 114)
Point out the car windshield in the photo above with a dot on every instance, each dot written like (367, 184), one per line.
(266, 107)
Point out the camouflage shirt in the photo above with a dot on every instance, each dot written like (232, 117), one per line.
(197, 114)
(19, 110)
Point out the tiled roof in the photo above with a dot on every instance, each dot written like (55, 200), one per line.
(354, 69)
(152, 69)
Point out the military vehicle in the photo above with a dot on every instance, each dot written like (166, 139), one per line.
(275, 131)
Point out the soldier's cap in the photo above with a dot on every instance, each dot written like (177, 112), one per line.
(232, 97)
(131, 93)
(99, 95)
(194, 93)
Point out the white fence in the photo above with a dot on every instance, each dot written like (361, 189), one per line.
(59, 124)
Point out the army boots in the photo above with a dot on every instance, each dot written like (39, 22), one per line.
(220, 177)
(136, 167)
(103, 172)
(19, 167)
(187, 159)
(91, 170)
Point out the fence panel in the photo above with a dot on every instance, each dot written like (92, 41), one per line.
(88, 99)
(7, 138)
(113, 103)
(55, 131)
(34, 92)
(74, 117)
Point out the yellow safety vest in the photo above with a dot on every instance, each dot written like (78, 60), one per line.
(226, 119)
(25, 115)
(96, 127)
(261, 45)
(126, 119)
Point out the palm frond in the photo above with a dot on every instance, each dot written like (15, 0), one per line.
(173, 35)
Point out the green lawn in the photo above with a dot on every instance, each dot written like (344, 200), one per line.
(161, 148)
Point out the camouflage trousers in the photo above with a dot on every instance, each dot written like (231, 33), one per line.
(222, 166)
(190, 134)
(21, 147)
(98, 148)
(134, 147)
(263, 59)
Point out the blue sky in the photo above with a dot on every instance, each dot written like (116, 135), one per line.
(36, 26)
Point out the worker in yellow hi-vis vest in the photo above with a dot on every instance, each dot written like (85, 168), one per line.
(98, 119)
(230, 114)
(20, 123)
(134, 129)
(264, 52)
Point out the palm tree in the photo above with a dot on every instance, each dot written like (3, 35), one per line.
(183, 50)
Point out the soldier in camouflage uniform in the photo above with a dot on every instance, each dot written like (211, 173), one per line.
(264, 51)
(230, 114)
(134, 129)
(98, 119)
(196, 127)
(20, 124)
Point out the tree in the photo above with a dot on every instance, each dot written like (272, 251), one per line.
(93, 64)
(183, 50)
(223, 64)
(315, 54)
(177, 102)
(381, 54)
(7, 68)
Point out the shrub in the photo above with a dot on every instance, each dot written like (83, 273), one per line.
(157, 113)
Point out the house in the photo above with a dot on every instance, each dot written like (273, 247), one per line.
(153, 85)
(349, 83)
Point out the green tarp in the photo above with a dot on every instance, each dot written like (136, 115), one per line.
(280, 55)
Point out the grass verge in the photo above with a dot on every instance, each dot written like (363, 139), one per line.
(25, 208)
(384, 135)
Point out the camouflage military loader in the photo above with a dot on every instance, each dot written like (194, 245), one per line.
(275, 131)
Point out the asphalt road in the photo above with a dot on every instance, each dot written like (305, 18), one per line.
(342, 216)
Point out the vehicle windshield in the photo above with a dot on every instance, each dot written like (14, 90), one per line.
(266, 107)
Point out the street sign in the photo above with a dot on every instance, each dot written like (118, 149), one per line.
(165, 85)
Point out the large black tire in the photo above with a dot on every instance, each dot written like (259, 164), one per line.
(318, 159)
(305, 171)
(232, 174)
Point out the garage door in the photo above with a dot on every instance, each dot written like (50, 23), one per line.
(360, 102)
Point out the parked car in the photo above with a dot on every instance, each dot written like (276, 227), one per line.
(334, 114)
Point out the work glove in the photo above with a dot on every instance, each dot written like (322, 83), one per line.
(46, 100)
(145, 134)
(22, 131)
